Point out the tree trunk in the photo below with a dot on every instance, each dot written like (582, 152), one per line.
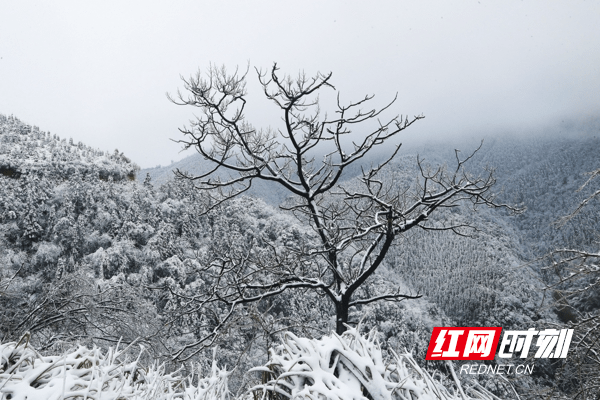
(341, 315)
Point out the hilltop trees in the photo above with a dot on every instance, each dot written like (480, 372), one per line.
(353, 224)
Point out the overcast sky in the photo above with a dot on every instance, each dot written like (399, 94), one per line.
(98, 71)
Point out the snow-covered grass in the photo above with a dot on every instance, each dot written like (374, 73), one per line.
(350, 367)
(93, 375)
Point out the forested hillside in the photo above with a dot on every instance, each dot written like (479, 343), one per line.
(25, 149)
(91, 254)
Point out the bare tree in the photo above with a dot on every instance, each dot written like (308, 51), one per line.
(354, 225)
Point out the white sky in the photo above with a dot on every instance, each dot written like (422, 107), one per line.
(97, 71)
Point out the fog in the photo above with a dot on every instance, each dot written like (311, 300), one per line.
(98, 71)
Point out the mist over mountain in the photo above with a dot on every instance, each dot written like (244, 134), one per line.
(96, 251)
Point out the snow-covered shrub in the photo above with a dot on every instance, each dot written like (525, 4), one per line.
(93, 375)
(47, 254)
(349, 367)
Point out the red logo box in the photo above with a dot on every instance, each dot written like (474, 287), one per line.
(466, 343)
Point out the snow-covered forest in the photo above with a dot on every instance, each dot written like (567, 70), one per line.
(98, 258)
